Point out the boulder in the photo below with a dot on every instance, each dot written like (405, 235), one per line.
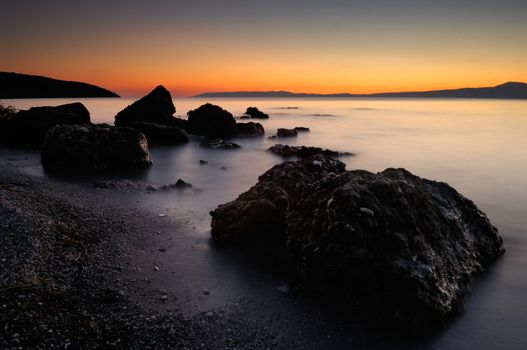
(249, 129)
(219, 144)
(159, 134)
(405, 246)
(254, 112)
(211, 121)
(286, 132)
(301, 129)
(94, 147)
(29, 127)
(156, 107)
(304, 152)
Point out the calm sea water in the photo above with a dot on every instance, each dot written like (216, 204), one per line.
(477, 146)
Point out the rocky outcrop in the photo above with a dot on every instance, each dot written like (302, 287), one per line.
(153, 116)
(211, 121)
(286, 132)
(249, 129)
(94, 147)
(254, 112)
(29, 127)
(304, 152)
(159, 134)
(156, 107)
(219, 144)
(405, 246)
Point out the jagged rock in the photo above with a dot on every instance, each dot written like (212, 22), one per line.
(304, 152)
(156, 107)
(254, 112)
(286, 132)
(301, 129)
(405, 246)
(29, 127)
(249, 129)
(220, 144)
(94, 147)
(211, 121)
(159, 134)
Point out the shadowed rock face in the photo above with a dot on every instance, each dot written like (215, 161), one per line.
(254, 112)
(153, 116)
(406, 245)
(249, 129)
(286, 132)
(94, 147)
(211, 121)
(29, 127)
(156, 107)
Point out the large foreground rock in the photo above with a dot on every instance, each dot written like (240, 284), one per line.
(211, 121)
(406, 245)
(29, 127)
(94, 147)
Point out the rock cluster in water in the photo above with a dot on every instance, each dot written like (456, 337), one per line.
(407, 245)
(254, 112)
(304, 151)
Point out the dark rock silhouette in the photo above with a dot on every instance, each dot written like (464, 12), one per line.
(301, 129)
(286, 132)
(153, 116)
(160, 134)
(15, 85)
(211, 121)
(249, 129)
(405, 246)
(156, 107)
(254, 112)
(29, 127)
(94, 147)
(220, 144)
(304, 152)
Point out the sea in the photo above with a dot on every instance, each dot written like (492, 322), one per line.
(477, 146)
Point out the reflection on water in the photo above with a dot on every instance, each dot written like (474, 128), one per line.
(478, 146)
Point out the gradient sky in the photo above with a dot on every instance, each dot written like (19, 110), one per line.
(302, 46)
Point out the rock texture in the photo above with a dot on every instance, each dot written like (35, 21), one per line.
(94, 147)
(29, 127)
(254, 112)
(153, 116)
(286, 132)
(211, 121)
(219, 144)
(249, 129)
(405, 245)
(304, 152)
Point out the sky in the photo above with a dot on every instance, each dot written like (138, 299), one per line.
(318, 46)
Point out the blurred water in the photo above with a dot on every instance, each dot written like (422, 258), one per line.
(477, 146)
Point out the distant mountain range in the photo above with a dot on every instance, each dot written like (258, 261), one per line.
(510, 90)
(14, 85)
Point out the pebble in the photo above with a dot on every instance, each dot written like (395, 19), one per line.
(206, 291)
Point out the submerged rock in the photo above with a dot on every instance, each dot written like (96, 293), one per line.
(29, 127)
(159, 134)
(94, 147)
(406, 245)
(286, 132)
(304, 152)
(220, 144)
(254, 112)
(301, 129)
(249, 129)
(211, 121)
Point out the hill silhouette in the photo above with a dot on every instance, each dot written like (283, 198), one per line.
(15, 85)
(510, 90)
